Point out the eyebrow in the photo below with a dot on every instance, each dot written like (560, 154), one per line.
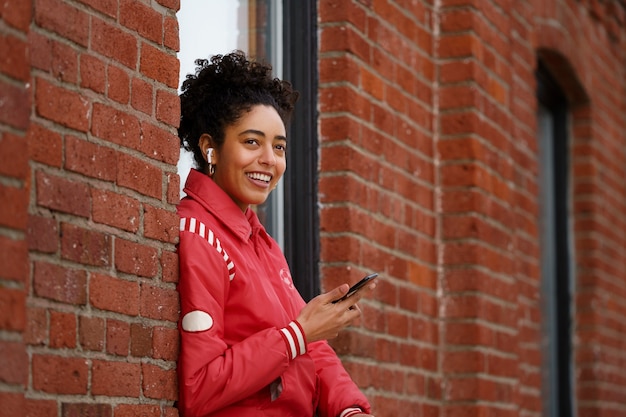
(260, 133)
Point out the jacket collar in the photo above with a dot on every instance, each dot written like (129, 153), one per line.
(208, 194)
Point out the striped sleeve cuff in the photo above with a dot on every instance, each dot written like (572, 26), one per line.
(294, 339)
(351, 412)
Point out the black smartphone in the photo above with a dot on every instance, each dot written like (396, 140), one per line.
(357, 287)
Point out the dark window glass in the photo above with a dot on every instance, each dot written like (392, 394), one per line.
(556, 254)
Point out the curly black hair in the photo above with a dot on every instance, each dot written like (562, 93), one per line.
(221, 91)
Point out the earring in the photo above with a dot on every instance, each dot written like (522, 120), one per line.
(209, 159)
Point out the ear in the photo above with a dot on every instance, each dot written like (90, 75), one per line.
(205, 142)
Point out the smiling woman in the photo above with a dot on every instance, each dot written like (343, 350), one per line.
(250, 346)
(250, 161)
(219, 27)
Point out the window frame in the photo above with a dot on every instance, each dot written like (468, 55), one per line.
(557, 282)
(301, 179)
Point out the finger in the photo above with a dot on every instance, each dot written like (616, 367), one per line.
(355, 307)
(336, 293)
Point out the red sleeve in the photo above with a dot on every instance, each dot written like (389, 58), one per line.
(337, 390)
(213, 375)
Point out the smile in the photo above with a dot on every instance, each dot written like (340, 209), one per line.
(259, 177)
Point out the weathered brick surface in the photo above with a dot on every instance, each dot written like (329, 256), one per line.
(428, 150)
(77, 116)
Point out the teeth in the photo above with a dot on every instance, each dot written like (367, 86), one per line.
(260, 177)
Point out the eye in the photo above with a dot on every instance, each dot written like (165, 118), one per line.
(251, 141)
(280, 147)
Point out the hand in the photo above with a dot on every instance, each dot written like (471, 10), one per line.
(321, 319)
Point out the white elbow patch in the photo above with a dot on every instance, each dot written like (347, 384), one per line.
(197, 321)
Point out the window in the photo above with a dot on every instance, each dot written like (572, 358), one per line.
(556, 246)
(282, 33)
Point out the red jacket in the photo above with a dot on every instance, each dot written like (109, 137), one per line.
(242, 353)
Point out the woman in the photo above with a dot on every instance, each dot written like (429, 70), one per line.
(249, 344)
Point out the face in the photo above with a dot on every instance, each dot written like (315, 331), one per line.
(252, 158)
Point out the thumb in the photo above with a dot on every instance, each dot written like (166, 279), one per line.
(338, 292)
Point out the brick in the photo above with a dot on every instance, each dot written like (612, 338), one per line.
(45, 146)
(464, 362)
(91, 333)
(59, 375)
(63, 19)
(90, 159)
(116, 379)
(107, 7)
(372, 84)
(143, 19)
(341, 99)
(36, 332)
(14, 106)
(40, 408)
(134, 410)
(141, 96)
(114, 294)
(159, 65)
(117, 337)
(173, 188)
(113, 42)
(159, 383)
(42, 234)
(333, 11)
(460, 46)
(159, 144)
(140, 175)
(85, 246)
(17, 15)
(171, 38)
(14, 259)
(15, 63)
(136, 258)
(13, 156)
(165, 343)
(115, 210)
(118, 84)
(86, 410)
(62, 330)
(61, 105)
(344, 69)
(58, 59)
(168, 107)
(59, 283)
(170, 412)
(13, 363)
(140, 340)
(347, 40)
(160, 224)
(115, 126)
(12, 404)
(12, 309)
(14, 206)
(159, 303)
(92, 73)
(338, 249)
(340, 127)
(169, 266)
(174, 5)
(398, 324)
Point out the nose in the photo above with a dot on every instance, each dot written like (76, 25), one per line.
(267, 156)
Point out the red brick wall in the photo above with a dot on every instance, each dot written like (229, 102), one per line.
(429, 175)
(14, 193)
(88, 306)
